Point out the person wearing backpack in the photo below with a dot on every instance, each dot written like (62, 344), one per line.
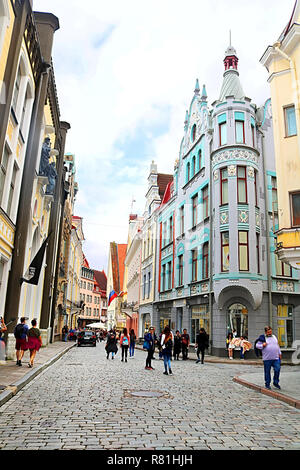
(20, 333)
(124, 343)
(167, 341)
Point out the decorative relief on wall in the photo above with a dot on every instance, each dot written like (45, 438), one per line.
(285, 286)
(231, 170)
(216, 175)
(224, 218)
(243, 216)
(234, 154)
(257, 220)
(250, 171)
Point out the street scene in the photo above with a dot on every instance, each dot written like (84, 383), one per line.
(85, 401)
(149, 227)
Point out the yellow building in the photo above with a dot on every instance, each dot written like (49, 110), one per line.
(282, 60)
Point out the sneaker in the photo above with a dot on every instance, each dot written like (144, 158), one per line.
(277, 386)
(148, 368)
(170, 372)
(30, 366)
(268, 387)
(152, 368)
(198, 360)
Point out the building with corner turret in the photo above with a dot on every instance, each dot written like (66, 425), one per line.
(216, 259)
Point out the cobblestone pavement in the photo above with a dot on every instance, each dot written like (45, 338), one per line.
(84, 401)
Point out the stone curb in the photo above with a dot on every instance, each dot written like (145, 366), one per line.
(13, 389)
(271, 393)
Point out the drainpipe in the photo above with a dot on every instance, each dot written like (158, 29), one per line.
(210, 306)
(269, 270)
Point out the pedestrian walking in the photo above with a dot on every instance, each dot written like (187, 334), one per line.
(150, 340)
(65, 332)
(111, 344)
(271, 356)
(177, 345)
(167, 341)
(202, 343)
(124, 343)
(132, 343)
(34, 342)
(20, 333)
(3, 328)
(185, 337)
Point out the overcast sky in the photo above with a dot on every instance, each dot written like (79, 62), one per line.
(126, 73)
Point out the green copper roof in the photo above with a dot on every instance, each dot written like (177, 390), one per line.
(231, 85)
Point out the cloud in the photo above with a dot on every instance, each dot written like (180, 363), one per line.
(125, 73)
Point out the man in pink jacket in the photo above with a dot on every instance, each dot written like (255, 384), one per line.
(271, 355)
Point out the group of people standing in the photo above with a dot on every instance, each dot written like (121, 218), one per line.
(169, 344)
(127, 342)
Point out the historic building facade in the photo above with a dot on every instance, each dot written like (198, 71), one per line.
(115, 280)
(217, 266)
(30, 191)
(282, 60)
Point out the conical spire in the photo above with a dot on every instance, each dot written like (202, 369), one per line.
(186, 120)
(231, 83)
(203, 94)
(197, 88)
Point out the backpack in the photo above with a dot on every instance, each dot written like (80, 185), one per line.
(125, 341)
(19, 330)
(258, 351)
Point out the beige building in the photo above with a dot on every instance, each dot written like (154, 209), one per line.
(282, 61)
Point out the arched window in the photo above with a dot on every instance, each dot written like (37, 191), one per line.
(237, 320)
(188, 172)
(194, 166)
(193, 134)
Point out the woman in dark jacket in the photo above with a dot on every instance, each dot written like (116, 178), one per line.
(111, 344)
(177, 345)
(202, 343)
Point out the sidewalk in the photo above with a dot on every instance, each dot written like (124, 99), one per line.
(13, 378)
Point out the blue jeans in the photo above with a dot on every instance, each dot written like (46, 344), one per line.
(276, 364)
(131, 349)
(167, 361)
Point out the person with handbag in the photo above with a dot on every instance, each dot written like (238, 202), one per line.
(150, 340)
(167, 341)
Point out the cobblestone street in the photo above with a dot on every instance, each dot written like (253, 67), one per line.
(84, 401)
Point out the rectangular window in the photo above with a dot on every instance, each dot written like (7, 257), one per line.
(180, 270)
(257, 253)
(224, 185)
(3, 170)
(256, 187)
(290, 121)
(194, 265)
(163, 278)
(11, 190)
(282, 269)
(144, 287)
(170, 229)
(182, 220)
(243, 251)
(169, 283)
(241, 185)
(285, 326)
(16, 90)
(274, 194)
(205, 202)
(253, 135)
(295, 203)
(205, 261)
(164, 234)
(195, 210)
(225, 251)
(149, 284)
(239, 132)
(223, 133)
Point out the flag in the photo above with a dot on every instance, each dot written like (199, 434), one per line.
(111, 297)
(122, 293)
(32, 274)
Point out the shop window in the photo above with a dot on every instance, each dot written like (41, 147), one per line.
(200, 319)
(285, 326)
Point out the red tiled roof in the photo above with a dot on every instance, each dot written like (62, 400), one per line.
(101, 279)
(118, 254)
(162, 182)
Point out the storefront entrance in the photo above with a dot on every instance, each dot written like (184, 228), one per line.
(237, 320)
